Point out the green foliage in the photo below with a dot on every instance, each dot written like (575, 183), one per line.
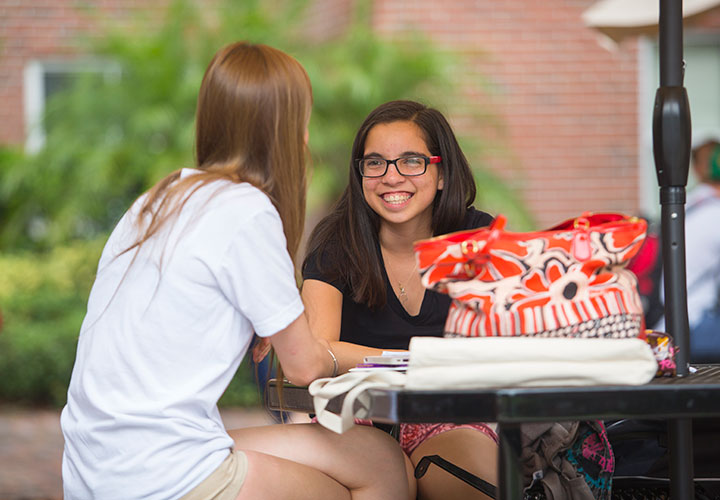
(10, 199)
(242, 391)
(42, 299)
(113, 135)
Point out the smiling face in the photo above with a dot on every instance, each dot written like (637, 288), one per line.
(395, 198)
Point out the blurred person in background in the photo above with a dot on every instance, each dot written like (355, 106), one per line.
(702, 250)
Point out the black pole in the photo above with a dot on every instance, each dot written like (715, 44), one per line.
(671, 148)
(509, 473)
(671, 44)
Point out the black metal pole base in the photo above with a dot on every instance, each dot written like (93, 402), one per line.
(511, 485)
(681, 460)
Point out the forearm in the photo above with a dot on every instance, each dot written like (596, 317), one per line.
(303, 357)
(323, 306)
(327, 363)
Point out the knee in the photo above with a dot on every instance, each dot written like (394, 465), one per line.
(412, 482)
(368, 436)
(391, 464)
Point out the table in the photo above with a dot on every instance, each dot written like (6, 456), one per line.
(672, 398)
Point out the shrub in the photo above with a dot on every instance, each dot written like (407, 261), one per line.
(43, 299)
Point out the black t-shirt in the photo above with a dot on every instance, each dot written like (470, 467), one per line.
(391, 327)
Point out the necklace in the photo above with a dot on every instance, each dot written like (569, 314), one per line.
(403, 292)
(402, 288)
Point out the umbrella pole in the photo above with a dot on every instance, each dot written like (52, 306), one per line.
(671, 149)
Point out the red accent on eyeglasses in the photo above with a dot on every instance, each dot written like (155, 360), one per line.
(435, 159)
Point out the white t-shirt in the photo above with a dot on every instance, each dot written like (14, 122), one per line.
(163, 338)
(702, 253)
(702, 250)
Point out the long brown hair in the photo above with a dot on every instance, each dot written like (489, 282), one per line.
(345, 242)
(252, 114)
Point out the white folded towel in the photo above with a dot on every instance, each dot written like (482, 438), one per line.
(466, 363)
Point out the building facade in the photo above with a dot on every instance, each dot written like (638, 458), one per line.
(574, 112)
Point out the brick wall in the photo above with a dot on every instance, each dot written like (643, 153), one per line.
(326, 19)
(567, 105)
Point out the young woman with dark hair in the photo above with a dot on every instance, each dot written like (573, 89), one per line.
(195, 268)
(408, 180)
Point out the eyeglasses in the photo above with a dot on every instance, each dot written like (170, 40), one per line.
(407, 166)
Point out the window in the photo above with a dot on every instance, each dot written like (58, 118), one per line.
(701, 53)
(43, 79)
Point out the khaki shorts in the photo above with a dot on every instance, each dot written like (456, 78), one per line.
(225, 482)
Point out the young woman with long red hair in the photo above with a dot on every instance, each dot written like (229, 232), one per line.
(196, 267)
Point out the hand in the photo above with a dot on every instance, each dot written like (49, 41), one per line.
(261, 349)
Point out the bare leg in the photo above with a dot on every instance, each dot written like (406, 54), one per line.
(410, 472)
(273, 477)
(467, 448)
(364, 463)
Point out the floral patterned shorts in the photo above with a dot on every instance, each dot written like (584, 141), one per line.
(412, 435)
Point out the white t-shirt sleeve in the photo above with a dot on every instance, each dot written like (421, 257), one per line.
(257, 275)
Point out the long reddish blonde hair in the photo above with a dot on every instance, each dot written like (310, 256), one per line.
(252, 115)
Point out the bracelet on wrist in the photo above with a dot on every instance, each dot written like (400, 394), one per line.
(335, 363)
